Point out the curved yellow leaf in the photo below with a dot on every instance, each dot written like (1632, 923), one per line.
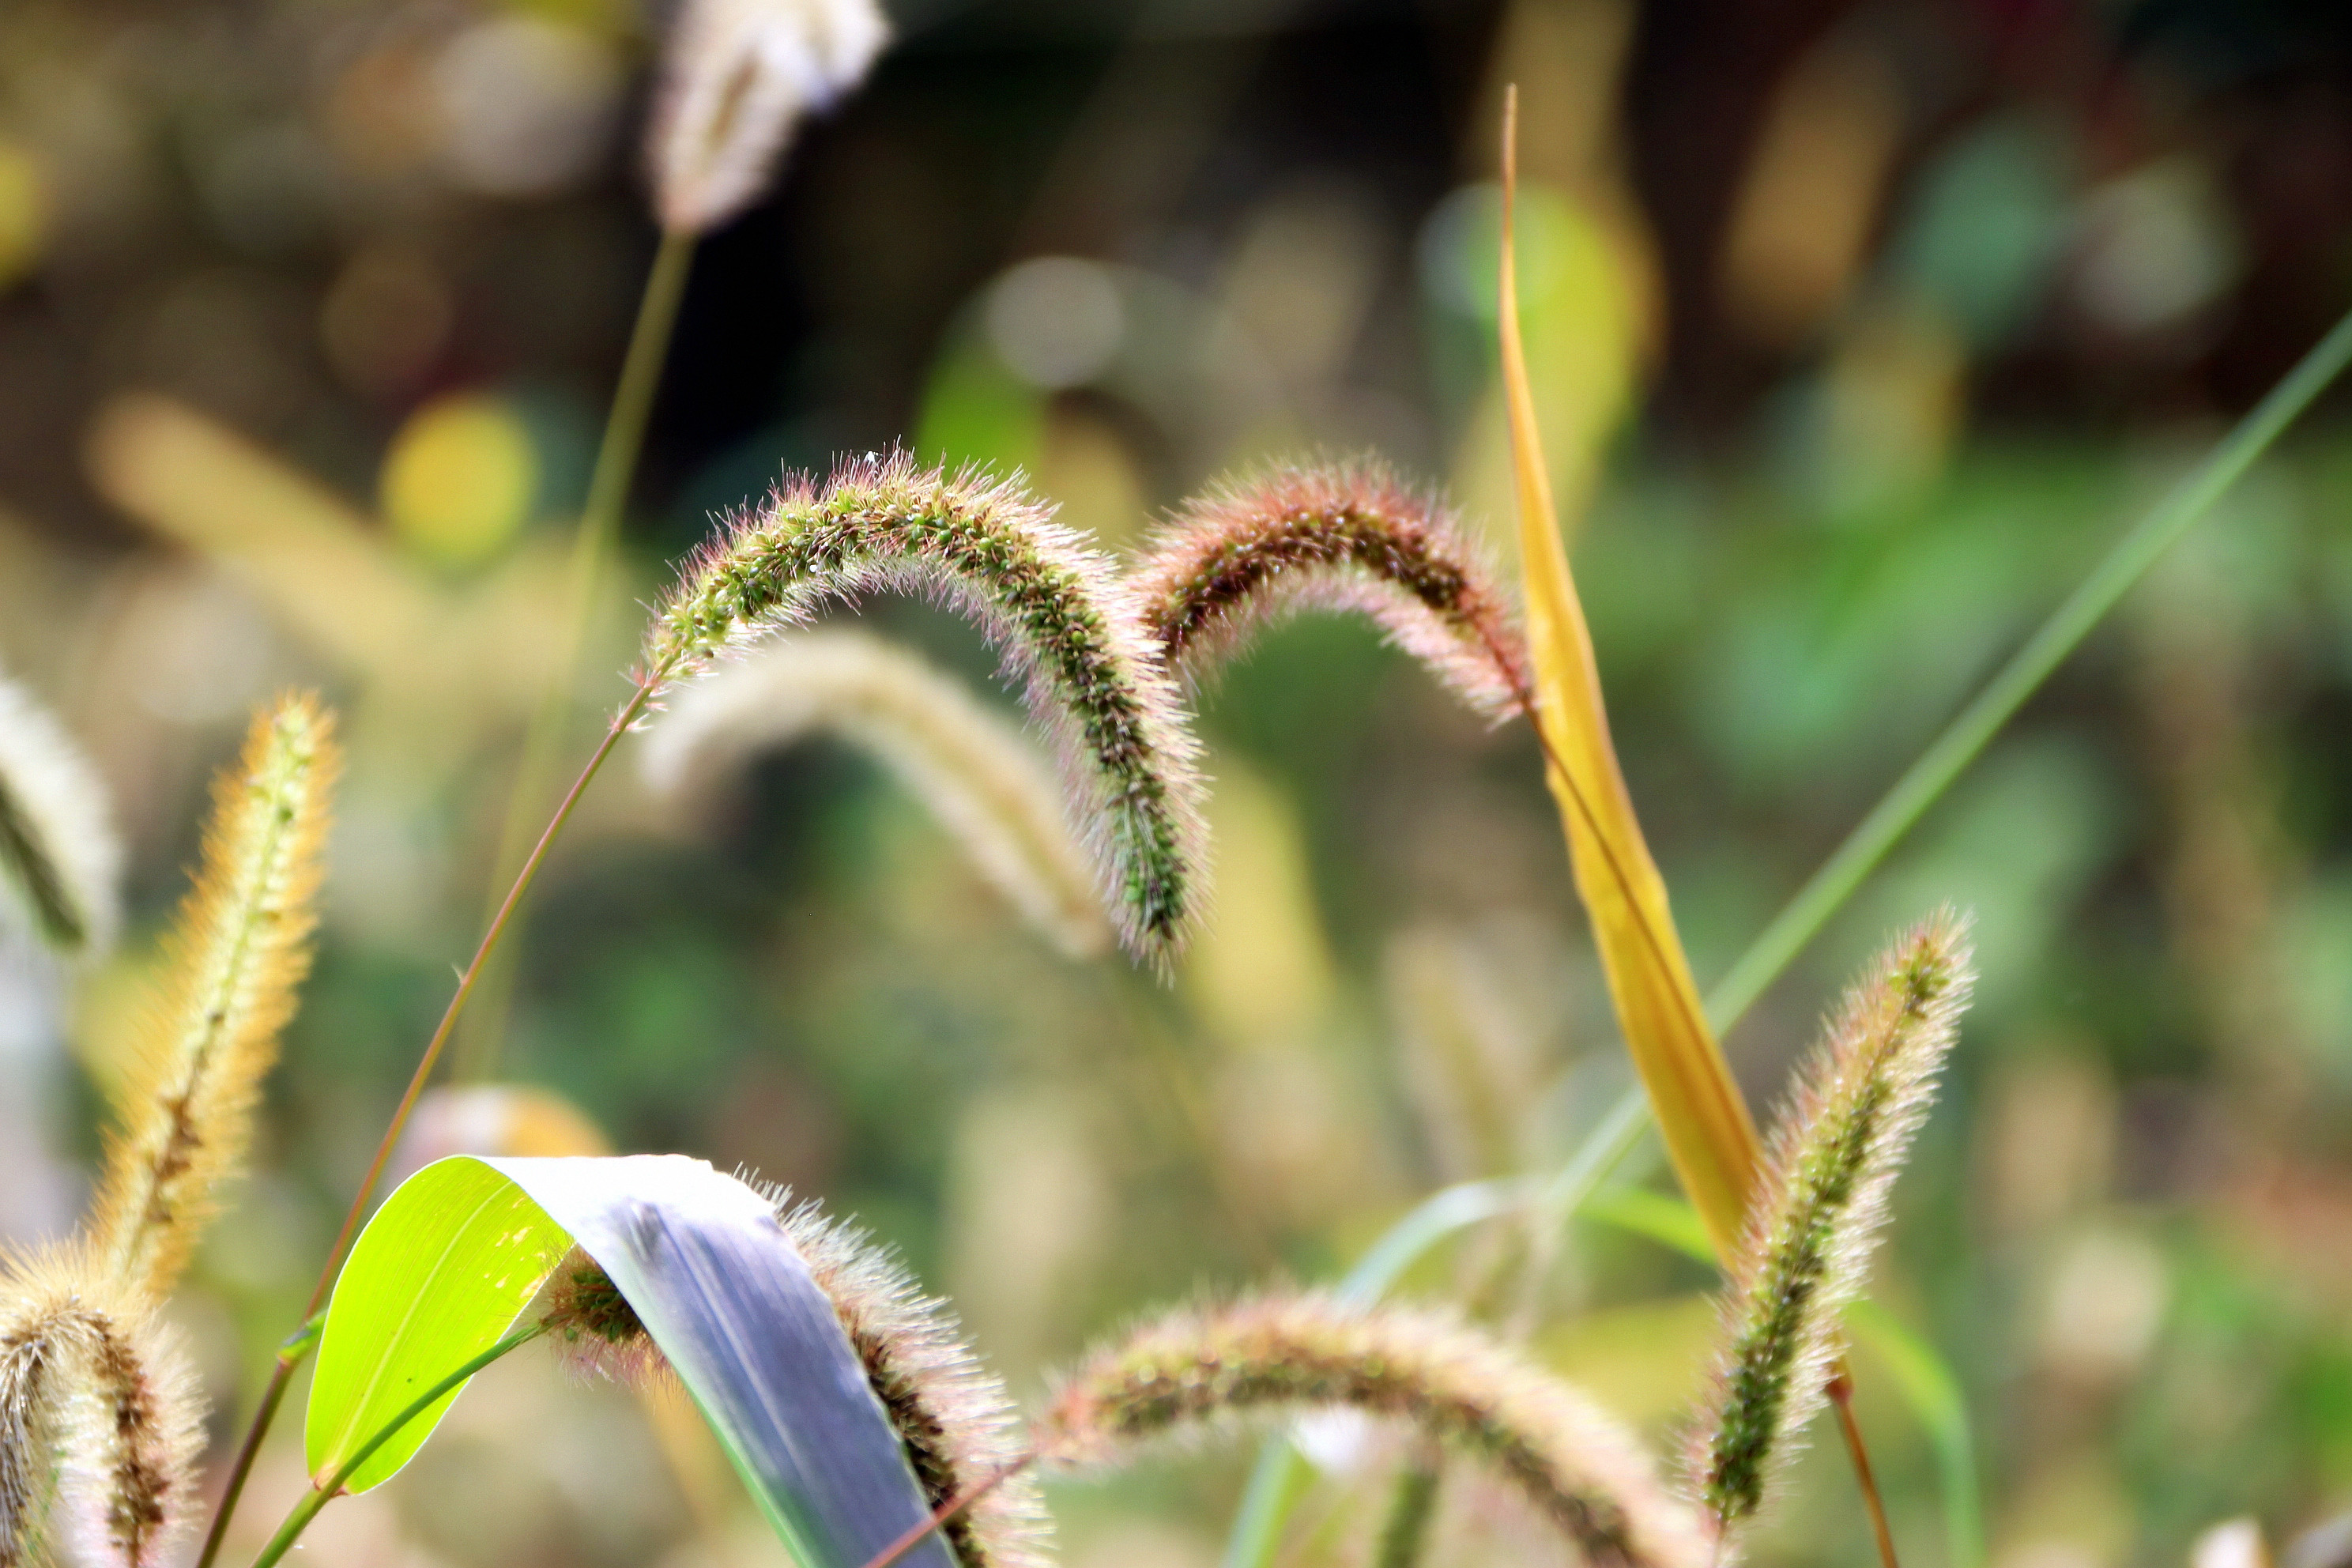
(1709, 1134)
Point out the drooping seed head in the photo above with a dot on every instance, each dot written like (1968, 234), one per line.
(981, 779)
(1818, 1210)
(1453, 1384)
(951, 1413)
(1050, 603)
(1340, 536)
(737, 75)
(101, 1423)
(236, 954)
(59, 861)
(591, 1325)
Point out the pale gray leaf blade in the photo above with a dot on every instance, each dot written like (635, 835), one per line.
(725, 1294)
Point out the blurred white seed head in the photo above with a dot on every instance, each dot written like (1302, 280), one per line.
(740, 76)
(60, 865)
(982, 780)
(101, 1420)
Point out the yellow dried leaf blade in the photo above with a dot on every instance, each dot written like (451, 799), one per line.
(1709, 1134)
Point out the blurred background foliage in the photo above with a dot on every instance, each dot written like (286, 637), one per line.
(309, 309)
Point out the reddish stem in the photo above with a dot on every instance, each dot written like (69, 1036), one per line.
(275, 1394)
(948, 1510)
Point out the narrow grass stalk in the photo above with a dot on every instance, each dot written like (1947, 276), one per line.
(1051, 604)
(236, 954)
(1342, 536)
(593, 546)
(1413, 1507)
(1965, 738)
(982, 780)
(1835, 1158)
(274, 1394)
(1454, 1386)
(1841, 1396)
(321, 1493)
(101, 1420)
(57, 851)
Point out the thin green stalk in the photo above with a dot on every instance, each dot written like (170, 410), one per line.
(1413, 1504)
(323, 1493)
(275, 1393)
(1281, 1474)
(591, 551)
(1966, 736)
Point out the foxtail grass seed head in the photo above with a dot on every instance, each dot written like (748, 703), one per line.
(234, 957)
(952, 1414)
(101, 1423)
(59, 861)
(591, 1325)
(1054, 608)
(738, 77)
(981, 778)
(1455, 1386)
(1818, 1210)
(1338, 536)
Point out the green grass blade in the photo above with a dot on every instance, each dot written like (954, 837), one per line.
(1275, 1483)
(442, 1271)
(1928, 1385)
(1660, 1217)
(1279, 1480)
(1948, 756)
(435, 1397)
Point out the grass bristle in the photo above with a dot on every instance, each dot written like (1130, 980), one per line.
(1051, 604)
(1833, 1161)
(958, 1424)
(1452, 1384)
(591, 1325)
(1339, 536)
(236, 954)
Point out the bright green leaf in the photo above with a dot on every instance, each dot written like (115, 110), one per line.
(455, 1254)
(444, 1269)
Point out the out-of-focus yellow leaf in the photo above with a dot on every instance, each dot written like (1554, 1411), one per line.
(206, 487)
(24, 212)
(1709, 1134)
(442, 665)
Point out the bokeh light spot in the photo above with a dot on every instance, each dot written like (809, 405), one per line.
(1056, 320)
(460, 478)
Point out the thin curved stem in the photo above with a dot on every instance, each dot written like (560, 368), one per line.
(593, 544)
(321, 1494)
(275, 1394)
(1967, 735)
(1841, 1400)
(944, 1513)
